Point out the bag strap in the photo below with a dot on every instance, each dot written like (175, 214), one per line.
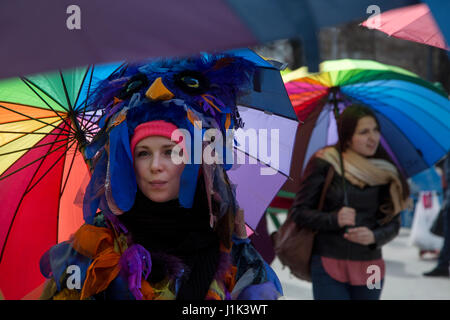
(328, 179)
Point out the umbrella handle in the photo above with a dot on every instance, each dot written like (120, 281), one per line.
(344, 184)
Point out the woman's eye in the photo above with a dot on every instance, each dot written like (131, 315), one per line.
(143, 153)
(168, 152)
(191, 82)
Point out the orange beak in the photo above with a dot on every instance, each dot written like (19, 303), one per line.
(158, 91)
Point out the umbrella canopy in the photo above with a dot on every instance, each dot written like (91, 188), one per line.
(73, 33)
(413, 23)
(440, 10)
(414, 114)
(45, 122)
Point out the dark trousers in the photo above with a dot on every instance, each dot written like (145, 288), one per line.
(326, 288)
(444, 256)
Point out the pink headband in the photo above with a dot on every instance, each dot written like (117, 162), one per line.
(154, 128)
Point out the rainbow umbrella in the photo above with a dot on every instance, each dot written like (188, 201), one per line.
(43, 124)
(414, 115)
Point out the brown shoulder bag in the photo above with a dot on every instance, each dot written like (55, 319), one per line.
(293, 245)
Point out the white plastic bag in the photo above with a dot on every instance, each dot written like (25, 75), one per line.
(423, 220)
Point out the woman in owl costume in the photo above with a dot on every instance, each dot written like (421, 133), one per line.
(156, 230)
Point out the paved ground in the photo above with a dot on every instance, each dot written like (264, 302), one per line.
(404, 280)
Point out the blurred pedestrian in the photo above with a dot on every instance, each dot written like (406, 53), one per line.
(443, 265)
(346, 260)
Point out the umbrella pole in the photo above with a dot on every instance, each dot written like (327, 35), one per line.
(339, 144)
(336, 116)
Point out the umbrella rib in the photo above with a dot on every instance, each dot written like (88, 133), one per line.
(395, 151)
(81, 86)
(57, 113)
(268, 112)
(17, 209)
(27, 105)
(29, 164)
(65, 91)
(31, 118)
(29, 132)
(34, 119)
(22, 132)
(367, 89)
(52, 166)
(73, 116)
(259, 160)
(88, 93)
(25, 79)
(88, 127)
(70, 169)
(33, 147)
(91, 125)
(386, 93)
(311, 84)
(60, 194)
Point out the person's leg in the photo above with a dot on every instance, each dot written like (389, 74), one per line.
(442, 268)
(325, 287)
(365, 293)
(444, 256)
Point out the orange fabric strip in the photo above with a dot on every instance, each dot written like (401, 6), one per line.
(97, 243)
(147, 291)
(227, 122)
(205, 96)
(28, 112)
(101, 272)
(90, 240)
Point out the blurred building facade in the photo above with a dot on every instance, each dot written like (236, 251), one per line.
(351, 41)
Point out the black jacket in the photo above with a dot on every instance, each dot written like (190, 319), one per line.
(329, 241)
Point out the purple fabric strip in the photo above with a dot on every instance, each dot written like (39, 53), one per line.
(135, 263)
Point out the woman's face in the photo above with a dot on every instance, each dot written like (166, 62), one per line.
(366, 137)
(158, 177)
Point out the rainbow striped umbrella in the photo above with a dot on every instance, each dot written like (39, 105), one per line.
(43, 124)
(414, 115)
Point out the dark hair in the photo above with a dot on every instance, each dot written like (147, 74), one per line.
(348, 121)
(346, 126)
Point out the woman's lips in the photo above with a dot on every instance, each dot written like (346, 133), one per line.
(158, 183)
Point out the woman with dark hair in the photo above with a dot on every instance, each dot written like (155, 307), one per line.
(346, 260)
